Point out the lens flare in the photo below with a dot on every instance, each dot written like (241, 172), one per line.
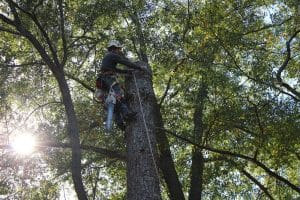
(23, 144)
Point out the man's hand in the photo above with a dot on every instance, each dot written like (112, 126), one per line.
(130, 71)
(143, 68)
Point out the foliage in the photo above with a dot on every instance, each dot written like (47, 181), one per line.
(234, 47)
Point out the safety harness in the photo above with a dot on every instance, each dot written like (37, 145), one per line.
(108, 98)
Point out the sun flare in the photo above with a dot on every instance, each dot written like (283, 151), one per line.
(23, 144)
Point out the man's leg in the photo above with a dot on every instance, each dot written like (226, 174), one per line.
(118, 118)
(127, 115)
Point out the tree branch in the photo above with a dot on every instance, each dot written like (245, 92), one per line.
(9, 31)
(25, 33)
(284, 65)
(7, 20)
(237, 155)
(267, 27)
(23, 65)
(248, 76)
(80, 82)
(62, 31)
(169, 83)
(14, 5)
(254, 180)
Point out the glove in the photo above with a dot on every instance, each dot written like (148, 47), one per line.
(143, 68)
(130, 71)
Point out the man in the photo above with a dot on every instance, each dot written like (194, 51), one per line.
(109, 71)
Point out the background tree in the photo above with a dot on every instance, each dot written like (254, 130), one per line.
(246, 127)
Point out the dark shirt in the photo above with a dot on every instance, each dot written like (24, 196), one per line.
(110, 61)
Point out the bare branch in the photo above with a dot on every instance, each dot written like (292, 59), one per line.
(252, 178)
(7, 20)
(62, 31)
(267, 27)
(285, 64)
(79, 81)
(169, 83)
(9, 31)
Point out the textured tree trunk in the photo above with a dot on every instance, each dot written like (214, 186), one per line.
(166, 163)
(142, 170)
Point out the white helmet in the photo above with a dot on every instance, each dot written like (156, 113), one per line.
(114, 43)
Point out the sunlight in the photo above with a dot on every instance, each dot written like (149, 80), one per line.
(23, 144)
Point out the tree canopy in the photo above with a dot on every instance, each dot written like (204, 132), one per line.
(223, 97)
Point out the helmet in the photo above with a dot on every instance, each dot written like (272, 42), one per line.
(114, 43)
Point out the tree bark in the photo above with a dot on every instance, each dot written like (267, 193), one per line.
(166, 162)
(142, 171)
(73, 131)
(197, 167)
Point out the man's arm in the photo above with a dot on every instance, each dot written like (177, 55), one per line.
(128, 63)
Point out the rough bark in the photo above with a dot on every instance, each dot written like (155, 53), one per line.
(166, 163)
(142, 171)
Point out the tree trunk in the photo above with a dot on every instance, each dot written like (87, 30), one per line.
(73, 132)
(166, 163)
(197, 167)
(196, 175)
(57, 69)
(142, 171)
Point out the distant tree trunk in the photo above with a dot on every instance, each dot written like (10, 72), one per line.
(73, 131)
(57, 69)
(166, 162)
(196, 175)
(142, 170)
(197, 167)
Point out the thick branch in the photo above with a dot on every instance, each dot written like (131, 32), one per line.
(14, 5)
(255, 79)
(24, 32)
(284, 65)
(237, 155)
(7, 20)
(79, 81)
(254, 180)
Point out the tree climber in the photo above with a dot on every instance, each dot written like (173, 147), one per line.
(108, 77)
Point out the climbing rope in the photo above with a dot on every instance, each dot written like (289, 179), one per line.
(145, 124)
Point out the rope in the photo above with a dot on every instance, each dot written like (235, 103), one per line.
(145, 124)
